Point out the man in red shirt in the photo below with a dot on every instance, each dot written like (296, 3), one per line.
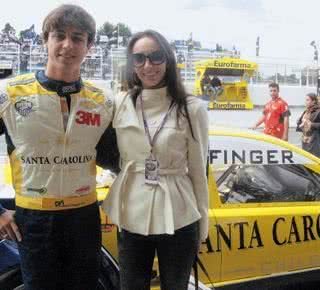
(275, 115)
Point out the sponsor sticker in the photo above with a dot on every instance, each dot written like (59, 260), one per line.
(42, 190)
(83, 189)
(3, 98)
(59, 203)
(69, 89)
(108, 102)
(24, 107)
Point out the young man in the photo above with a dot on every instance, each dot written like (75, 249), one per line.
(216, 88)
(53, 121)
(205, 83)
(275, 115)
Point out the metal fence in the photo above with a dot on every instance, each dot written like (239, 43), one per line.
(108, 64)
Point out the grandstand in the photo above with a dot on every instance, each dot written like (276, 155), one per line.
(26, 53)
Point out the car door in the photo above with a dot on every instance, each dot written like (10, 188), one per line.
(267, 207)
(268, 221)
(208, 256)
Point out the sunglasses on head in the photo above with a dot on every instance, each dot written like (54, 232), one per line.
(156, 58)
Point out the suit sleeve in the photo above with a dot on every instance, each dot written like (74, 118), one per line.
(2, 131)
(4, 97)
(197, 161)
(4, 102)
(316, 123)
(285, 112)
(108, 155)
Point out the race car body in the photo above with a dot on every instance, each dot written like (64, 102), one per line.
(264, 213)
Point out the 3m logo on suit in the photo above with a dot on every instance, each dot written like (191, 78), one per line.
(87, 118)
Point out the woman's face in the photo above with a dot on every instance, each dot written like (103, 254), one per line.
(149, 62)
(309, 102)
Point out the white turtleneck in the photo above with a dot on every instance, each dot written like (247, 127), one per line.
(181, 197)
(156, 103)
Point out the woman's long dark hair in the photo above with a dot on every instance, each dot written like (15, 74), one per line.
(172, 79)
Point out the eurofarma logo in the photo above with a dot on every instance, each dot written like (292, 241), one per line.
(232, 65)
(229, 106)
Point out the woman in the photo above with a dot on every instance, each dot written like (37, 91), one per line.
(160, 198)
(309, 124)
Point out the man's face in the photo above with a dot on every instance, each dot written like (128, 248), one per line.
(274, 93)
(67, 48)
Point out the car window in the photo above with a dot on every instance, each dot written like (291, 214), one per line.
(268, 183)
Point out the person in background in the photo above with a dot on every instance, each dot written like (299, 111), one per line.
(275, 115)
(215, 88)
(309, 125)
(159, 201)
(205, 83)
(215, 82)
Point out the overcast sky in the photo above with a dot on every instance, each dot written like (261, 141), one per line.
(285, 27)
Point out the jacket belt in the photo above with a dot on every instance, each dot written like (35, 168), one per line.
(137, 167)
(55, 203)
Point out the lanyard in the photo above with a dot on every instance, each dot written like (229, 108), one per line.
(146, 127)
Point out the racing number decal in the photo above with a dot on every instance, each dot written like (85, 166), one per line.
(88, 118)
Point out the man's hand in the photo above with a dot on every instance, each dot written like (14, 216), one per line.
(260, 121)
(8, 228)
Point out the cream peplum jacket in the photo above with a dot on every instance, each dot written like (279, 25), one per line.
(181, 196)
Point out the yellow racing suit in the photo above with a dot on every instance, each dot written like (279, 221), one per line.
(53, 168)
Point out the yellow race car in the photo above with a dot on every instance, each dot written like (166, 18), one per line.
(264, 213)
(264, 228)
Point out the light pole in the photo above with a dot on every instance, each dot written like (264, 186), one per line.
(316, 58)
